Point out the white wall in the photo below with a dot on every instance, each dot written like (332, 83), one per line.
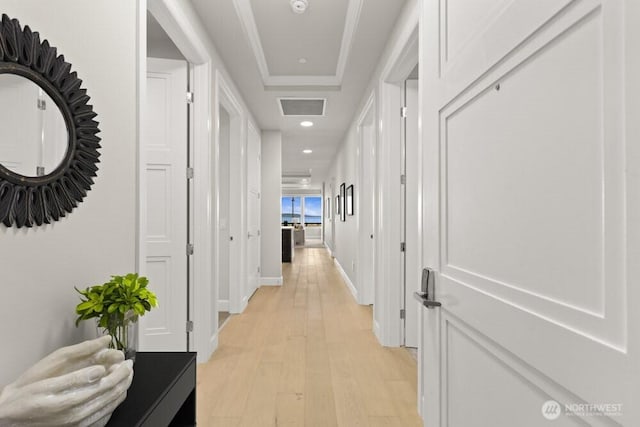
(271, 242)
(159, 45)
(39, 267)
(345, 169)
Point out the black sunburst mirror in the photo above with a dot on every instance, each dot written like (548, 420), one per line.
(27, 201)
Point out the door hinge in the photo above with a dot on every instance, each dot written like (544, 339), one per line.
(403, 112)
(189, 325)
(403, 246)
(189, 248)
(258, 195)
(258, 232)
(189, 173)
(42, 104)
(403, 179)
(403, 313)
(189, 97)
(258, 269)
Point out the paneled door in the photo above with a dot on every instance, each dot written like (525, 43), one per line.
(531, 212)
(411, 213)
(253, 211)
(165, 192)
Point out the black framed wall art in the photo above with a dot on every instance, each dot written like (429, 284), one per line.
(349, 200)
(343, 207)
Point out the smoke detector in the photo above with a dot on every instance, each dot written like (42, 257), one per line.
(299, 6)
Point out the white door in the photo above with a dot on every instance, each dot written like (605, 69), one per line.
(253, 211)
(366, 209)
(165, 153)
(532, 212)
(411, 215)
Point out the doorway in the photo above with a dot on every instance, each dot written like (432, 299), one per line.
(224, 236)
(411, 209)
(254, 160)
(164, 193)
(233, 238)
(203, 217)
(398, 225)
(366, 204)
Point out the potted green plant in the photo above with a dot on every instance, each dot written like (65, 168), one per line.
(117, 304)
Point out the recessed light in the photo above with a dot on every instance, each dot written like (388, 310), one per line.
(302, 60)
(307, 151)
(299, 6)
(306, 123)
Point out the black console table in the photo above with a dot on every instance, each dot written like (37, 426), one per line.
(163, 392)
(288, 244)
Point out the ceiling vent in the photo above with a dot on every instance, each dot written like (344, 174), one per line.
(292, 107)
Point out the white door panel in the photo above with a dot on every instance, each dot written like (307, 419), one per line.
(165, 152)
(253, 210)
(365, 204)
(525, 186)
(412, 215)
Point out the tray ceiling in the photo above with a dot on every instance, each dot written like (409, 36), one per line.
(308, 49)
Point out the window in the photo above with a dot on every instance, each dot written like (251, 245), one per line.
(291, 208)
(313, 210)
(305, 210)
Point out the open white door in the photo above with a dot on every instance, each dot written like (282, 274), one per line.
(253, 210)
(165, 151)
(531, 204)
(365, 208)
(412, 215)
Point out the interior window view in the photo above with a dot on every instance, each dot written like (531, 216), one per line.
(319, 213)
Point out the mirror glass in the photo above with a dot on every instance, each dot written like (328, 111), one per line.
(33, 134)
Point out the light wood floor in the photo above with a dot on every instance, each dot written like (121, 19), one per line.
(304, 355)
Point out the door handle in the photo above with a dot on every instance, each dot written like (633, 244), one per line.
(422, 298)
(427, 286)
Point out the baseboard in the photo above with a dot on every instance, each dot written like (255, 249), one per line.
(271, 281)
(244, 304)
(376, 331)
(346, 279)
(212, 345)
(223, 305)
(328, 249)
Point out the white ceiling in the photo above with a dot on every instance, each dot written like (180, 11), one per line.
(261, 42)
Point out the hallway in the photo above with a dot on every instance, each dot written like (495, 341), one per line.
(304, 355)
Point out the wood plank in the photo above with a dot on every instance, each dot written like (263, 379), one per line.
(293, 369)
(290, 410)
(223, 422)
(385, 422)
(261, 402)
(350, 410)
